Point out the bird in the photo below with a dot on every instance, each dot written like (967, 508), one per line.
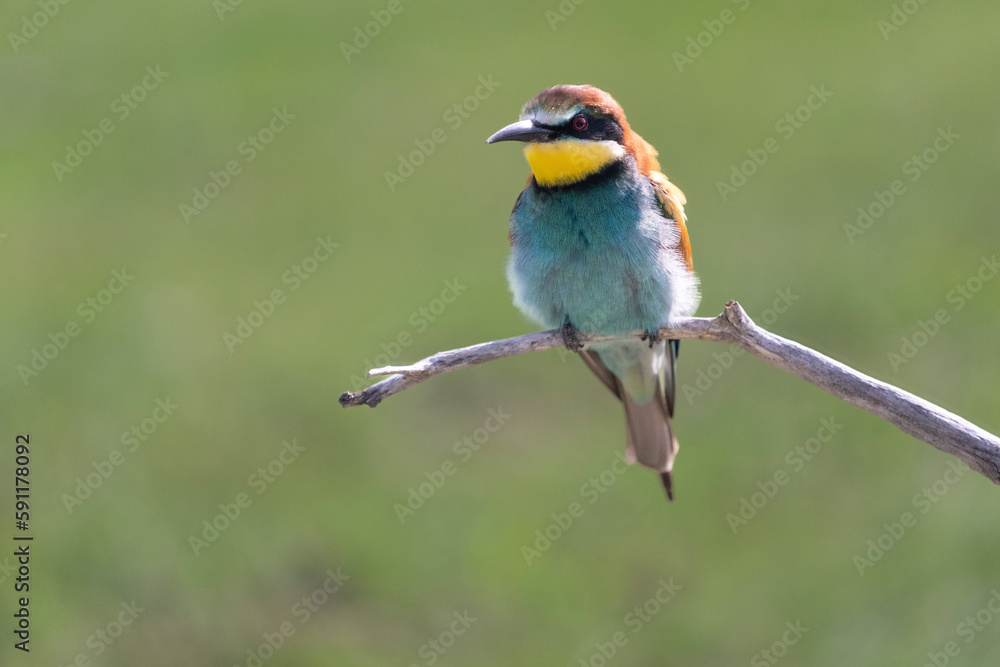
(599, 245)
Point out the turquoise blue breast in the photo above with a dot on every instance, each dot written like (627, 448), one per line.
(594, 253)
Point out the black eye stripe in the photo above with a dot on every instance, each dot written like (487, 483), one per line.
(599, 128)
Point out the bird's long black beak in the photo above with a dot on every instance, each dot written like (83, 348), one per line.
(522, 130)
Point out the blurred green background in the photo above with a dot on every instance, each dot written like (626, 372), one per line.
(334, 504)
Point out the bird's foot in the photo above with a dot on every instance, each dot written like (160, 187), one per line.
(571, 337)
(652, 336)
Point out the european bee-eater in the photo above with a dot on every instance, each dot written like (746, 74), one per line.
(599, 245)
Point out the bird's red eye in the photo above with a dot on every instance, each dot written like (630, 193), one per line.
(579, 122)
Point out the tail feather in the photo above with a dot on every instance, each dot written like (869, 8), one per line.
(650, 440)
(670, 372)
(649, 432)
(668, 484)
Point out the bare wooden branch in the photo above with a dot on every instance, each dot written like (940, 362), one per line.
(921, 419)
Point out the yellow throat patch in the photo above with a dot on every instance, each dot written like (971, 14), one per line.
(570, 160)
